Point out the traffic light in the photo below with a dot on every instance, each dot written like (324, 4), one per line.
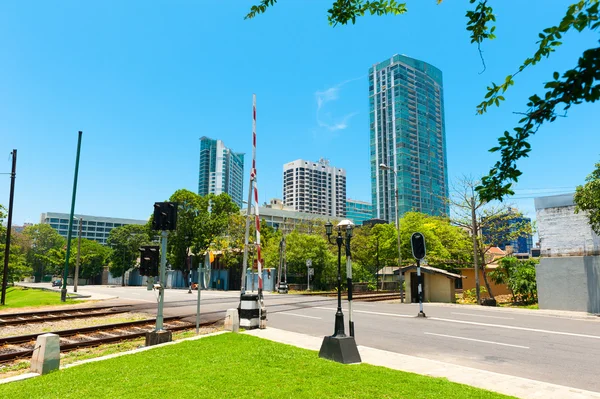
(417, 242)
(149, 260)
(165, 216)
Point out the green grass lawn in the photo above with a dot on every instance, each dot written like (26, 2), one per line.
(233, 366)
(20, 297)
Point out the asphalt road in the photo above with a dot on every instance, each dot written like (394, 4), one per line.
(562, 350)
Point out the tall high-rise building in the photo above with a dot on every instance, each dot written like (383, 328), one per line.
(407, 135)
(221, 170)
(315, 187)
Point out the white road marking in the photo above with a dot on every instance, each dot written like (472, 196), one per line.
(367, 312)
(364, 304)
(300, 315)
(479, 315)
(477, 340)
(517, 328)
(475, 323)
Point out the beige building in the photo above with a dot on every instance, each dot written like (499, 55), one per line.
(438, 284)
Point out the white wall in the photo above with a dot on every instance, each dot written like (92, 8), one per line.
(562, 232)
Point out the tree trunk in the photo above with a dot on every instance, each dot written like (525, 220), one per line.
(475, 250)
(487, 283)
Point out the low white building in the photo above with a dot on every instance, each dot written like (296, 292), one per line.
(562, 232)
(568, 276)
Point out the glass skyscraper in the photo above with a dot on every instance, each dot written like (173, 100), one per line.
(358, 211)
(221, 170)
(407, 134)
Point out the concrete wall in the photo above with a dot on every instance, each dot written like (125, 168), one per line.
(562, 232)
(438, 288)
(569, 283)
(469, 282)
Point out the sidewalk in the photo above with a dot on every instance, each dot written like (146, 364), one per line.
(81, 294)
(532, 312)
(501, 383)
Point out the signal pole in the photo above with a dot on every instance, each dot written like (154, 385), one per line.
(164, 219)
(13, 174)
(63, 291)
(162, 282)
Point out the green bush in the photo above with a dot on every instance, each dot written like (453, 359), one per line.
(519, 277)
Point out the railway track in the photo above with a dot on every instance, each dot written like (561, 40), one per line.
(12, 319)
(364, 296)
(22, 346)
(376, 298)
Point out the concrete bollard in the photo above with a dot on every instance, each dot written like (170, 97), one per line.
(232, 321)
(249, 311)
(46, 355)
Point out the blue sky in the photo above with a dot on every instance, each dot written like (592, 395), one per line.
(145, 80)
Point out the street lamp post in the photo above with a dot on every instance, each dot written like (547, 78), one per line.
(339, 347)
(189, 265)
(383, 166)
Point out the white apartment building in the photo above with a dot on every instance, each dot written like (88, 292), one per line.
(315, 187)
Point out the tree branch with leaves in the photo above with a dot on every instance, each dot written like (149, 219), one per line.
(572, 87)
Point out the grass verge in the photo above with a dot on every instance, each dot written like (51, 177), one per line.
(20, 297)
(234, 366)
(22, 366)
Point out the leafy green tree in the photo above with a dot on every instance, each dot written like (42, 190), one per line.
(94, 256)
(201, 221)
(519, 277)
(301, 247)
(364, 254)
(43, 238)
(574, 86)
(587, 198)
(477, 216)
(125, 242)
(17, 265)
(447, 246)
(17, 261)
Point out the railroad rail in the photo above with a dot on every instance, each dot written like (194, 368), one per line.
(12, 319)
(363, 296)
(17, 347)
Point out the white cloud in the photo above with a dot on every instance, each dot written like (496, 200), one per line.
(331, 94)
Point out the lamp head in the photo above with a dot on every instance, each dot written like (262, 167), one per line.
(328, 228)
(346, 225)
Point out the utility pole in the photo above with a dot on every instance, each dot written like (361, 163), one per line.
(385, 167)
(76, 281)
(63, 291)
(475, 248)
(13, 175)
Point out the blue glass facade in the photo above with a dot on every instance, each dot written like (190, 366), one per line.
(358, 211)
(407, 134)
(521, 245)
(221, 170)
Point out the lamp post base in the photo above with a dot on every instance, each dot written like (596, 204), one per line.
(341, 349)
(63, 294)
(421, 314)
(158, 337)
